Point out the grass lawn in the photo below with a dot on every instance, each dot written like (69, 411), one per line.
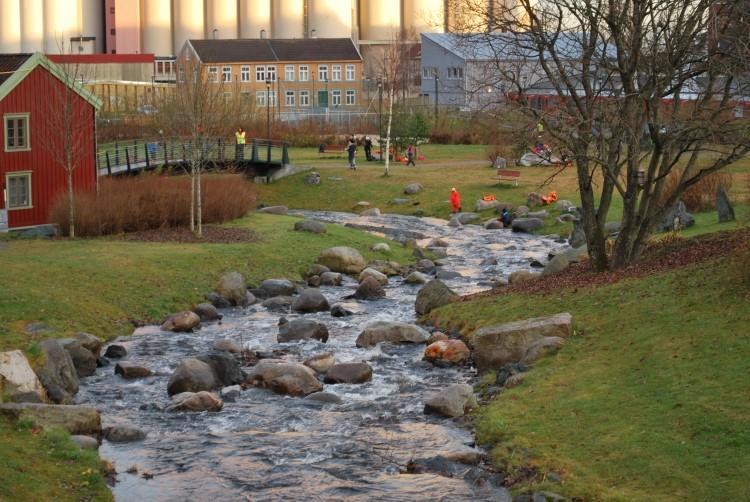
(100, 285)
(46, 466)
(647, 402)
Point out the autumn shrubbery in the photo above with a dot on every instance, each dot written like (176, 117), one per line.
(701, 196)
(146, 202)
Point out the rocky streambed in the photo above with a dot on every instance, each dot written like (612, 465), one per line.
(353, 441)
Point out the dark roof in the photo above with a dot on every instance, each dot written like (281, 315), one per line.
(10, 63)
(262, 50)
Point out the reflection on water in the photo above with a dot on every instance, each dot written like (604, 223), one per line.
(271, 447)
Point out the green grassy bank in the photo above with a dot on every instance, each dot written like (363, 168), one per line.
(647, 402)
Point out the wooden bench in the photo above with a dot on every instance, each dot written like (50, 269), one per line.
(508, 175)
(332, 150)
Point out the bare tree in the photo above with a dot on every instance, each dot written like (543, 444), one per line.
(638, 91)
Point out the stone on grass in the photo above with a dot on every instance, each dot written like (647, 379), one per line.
(534, 199)
(82, 420)
(85, 442)
(522, 276)
(349, 373)
(433, 295)
(83, 360)
(207, 312)
(278, 287)
(381, 247)
(526, 225)
(18, 382)
(454, 401)
(413, 188)
(233, 288)
(538, 214)
(563, 205)
(342, 259)
(547, 345)
(181, 322)
(677, 219)
(280, 210)
(301, 330)
(724, 205)
(521, 211)
(392, 332)
(321, 363)
(371, 272)
(311, 300)
(312, 226)
(447, 352)
(316, 269)
(131, 371)
(369, 289)
(371, 212)
(195, 401)
(557, 264)
(281, 377)
(416, 278)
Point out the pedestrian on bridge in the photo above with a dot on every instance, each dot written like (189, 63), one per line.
(239, 152)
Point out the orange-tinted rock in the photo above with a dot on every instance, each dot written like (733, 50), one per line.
(447, 351)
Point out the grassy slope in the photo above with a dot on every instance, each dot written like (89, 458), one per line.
(47, 466)
(649, 402)
(99, 285)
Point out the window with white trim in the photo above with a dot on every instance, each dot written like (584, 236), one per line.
(455, 73)
(289, 98)
(181, 74)
(271, 73)
(336, 97)
(289, 73)
(272, 98)
(304, 98)
(323, 72)
(351, 72)
(260, 73)
(226, 74)
(260, 98)
(245, 74)
(18, 186)
(304, 73)
(16, 132)
(336, 72)
(213, 73)
(350, 97)
(429, 72)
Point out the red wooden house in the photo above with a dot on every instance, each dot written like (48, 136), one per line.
(31, 175)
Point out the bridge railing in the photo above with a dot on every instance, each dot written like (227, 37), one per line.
(135, 155)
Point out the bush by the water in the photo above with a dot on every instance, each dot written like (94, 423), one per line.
(146, 202)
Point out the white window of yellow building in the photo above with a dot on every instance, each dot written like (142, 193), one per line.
(289, 98)
(351, 97)
(245, 74)
(304, 98)
(304, 73)
(336, 72)
(350, 72)
(289, 73)
(323, 73)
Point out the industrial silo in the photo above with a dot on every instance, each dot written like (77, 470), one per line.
(222, 19)
(468, 15)
(379, 19)
(157, 27)
(188, 21)
(424, 16)
(10, 26)
(330, 18)
(32, 25)
(288, 18)
(92, 23)
(255, 15)
(61, 23)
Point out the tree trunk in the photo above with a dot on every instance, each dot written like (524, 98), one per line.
(388, 133)
(198, 205)
(71, 206)
(592, 229)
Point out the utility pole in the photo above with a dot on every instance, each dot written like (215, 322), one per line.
(380, 116)
(437, 81)
(268, 110)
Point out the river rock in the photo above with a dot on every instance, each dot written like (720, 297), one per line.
(57, 374)
(342, 259)
(381, 247)
(454, 401)
(321, 363)
(371, 272)
(521, 211)
(286, 378)
(226, 368)
(83, 360)
(425, 266)
(391, 331)
(279, 210)
(514, 380)
(18, 382)
(123, 433)
(467, 218)
(349, 373)
(218, 301)
(416, 278)
(438, 243)
(369, 289)
(433, 295)
(81, 420)
(677, 218)
(324, 398)
(565, 218)
(439, 252)
(371, 212)
(526, 225)
(312, 226)
(538, 214)
(389, 267)
(90, 343)
(191, 375)
(340, 311)
(278, 303)
(447, 352)
(331, 279)
(195, 401)
(413, 188)
(85, 442)
(301, 329)
(227, 345)
(206, 312)
(445, 275)
(278, 287)
(436, 337)
(181, 322)
(522, 276)
(724, 205)
(316, 269)
(131, 371)
(549, 344)
(454, 222)
(557, 264)
(495, 346)
(494, 225)
(115, 351)
(233, 288)
(231, 394)
(534, 199)
(482, 204)
(563, 205)
(311, 300)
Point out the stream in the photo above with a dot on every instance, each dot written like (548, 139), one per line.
(270, 447)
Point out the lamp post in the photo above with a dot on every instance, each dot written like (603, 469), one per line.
(380, 116)
(268, 110)
(437, 81)
(214, 32)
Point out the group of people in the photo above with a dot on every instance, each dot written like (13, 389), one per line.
(351, 149)
(455, 201)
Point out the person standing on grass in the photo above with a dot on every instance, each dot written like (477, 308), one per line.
(352, 151)
(455, 201)
(410, 154)
(368, 148)
(239, 149)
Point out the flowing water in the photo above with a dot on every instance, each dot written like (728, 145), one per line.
(270, 447)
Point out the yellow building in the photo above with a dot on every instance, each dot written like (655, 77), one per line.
(287, 74)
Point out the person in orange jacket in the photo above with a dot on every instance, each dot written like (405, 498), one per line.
(455, 201)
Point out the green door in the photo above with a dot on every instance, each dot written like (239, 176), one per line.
(323, 99)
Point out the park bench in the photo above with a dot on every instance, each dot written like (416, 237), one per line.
(508, 175)
(332, 150)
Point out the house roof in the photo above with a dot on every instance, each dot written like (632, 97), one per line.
(16, 67)
(279, 50)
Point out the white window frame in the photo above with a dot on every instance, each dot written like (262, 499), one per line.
(351, 72)
(213, 74)
(271, 73)
(289, 73)
(18, 174)
(323, 72)
(336, 73)
(289, 98)
(304, 73)
(27, 136)
(272, 98)
(428, 72)
(260, 73)
(226, 74)
(336, 97)
(351, 97)
(260, 98)
(245, 73)
(304, 98)
(455, 73)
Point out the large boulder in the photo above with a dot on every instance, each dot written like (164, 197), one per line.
(311, 300)
(277, 287)
(191, 375)
(116, 430)
(207, 312)
(195, 401)
(278, 303)
(466, 218)
(301, 329)
(227, 345)
(115, 351)
(90, 343)
(433, 295)
(495, 346)
(233, 288)
(548, 344)
(349, 373)
(413, 188)
(371, 272)
(526, 225)
(677, 218)
(181, 322)
(369, 289)
(58, 373)
(342, 259)
(83, 360)
(321, 363)
(316, 269)
(281, 377)
(18, 382)
(391, 331)
(225, 367)
(447, 352)
(312, 226)
(74, 419)
(131, 371)
(453, 401)
(563, 205)
(279, 210)
(724, 205)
